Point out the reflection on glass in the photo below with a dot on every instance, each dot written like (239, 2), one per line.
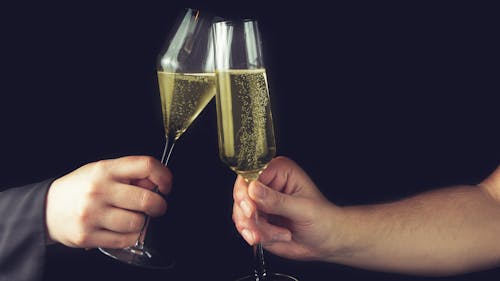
(244, 119)
(187, 84)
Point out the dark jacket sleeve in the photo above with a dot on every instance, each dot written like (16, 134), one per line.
(22, 232)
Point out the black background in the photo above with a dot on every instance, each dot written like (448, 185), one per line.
(376, 101)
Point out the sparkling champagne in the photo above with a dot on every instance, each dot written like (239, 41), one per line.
(183, 97)
(246, 134)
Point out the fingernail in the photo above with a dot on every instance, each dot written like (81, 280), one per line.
(247, 235)
(260, 190)
(247, 211)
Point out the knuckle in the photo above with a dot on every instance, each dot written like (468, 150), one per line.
(236, 215)
(100, 166)
(147, 201)
(235, 218)
(239, 222)
(82, 238)
(135, 223)
(83, 215)
(144, 200)
(148, 162)
(279, 200)
(240, 190)
(282, 159)
(93, 191)
(239, 225)
(239, 193)
(96, 177)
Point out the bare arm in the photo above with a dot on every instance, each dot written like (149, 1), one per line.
(447, 231)
(443, 232)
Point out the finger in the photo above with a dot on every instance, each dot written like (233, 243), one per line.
(277, 172)
(268, 233)
(287, 249)
(240, 190)
(273, 202)
(241, 198)
(142, 167)
(284, 175)
(261, 230)
(135, 199)
(244, 225)
(120, 220)
(144, 183)
(241, 219)
(109, 239)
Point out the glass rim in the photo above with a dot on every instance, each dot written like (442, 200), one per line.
(236, 21)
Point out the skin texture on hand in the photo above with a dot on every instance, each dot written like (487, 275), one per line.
(102, 204)
(294, 217)
(446, 231)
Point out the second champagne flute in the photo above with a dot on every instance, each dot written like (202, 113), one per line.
(244, 119)
(187, 84)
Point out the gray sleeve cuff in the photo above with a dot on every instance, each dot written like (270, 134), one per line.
(23, 231)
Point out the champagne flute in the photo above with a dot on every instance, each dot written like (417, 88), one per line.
(186, 81)
(244, 119)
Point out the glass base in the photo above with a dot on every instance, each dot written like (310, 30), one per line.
(141, 257)
(269, 277)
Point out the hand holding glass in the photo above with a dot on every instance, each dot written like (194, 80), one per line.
(187, 84)
(244, 119)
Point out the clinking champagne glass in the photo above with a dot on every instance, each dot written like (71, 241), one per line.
(187, 84)
(244, 119)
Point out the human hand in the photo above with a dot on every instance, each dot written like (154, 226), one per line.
(492, 184)
(102, 204)
(294, 217)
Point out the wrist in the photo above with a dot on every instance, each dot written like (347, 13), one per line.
(49, 239)
(345, 240)
(337, 243)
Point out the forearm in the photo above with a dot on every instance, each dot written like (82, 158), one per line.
(447, 231)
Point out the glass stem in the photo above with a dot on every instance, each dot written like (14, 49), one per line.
(259, 267)
(167, 152)
(260, 272)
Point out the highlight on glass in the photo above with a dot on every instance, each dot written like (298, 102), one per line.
(186, 84)
(244, 118)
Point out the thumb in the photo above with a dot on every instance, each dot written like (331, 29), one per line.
(274, 202)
